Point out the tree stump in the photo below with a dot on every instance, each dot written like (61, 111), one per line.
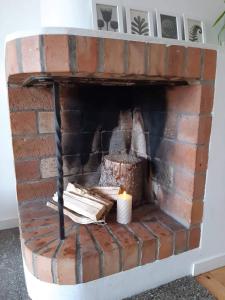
(126, 171)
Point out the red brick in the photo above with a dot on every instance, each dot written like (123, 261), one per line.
(11, 58)
(186, 99)
(21, 98)
(39, 243)
(90, 259)
(148, 242)
(207, 98)
(210, 58)
(46, 122)
(191, 185)
(179, 231)
(110, 250)
(156, 59)
(193, 63)
(128, 244)
(66, 261)
(86, 54)
(43, 261)
(194, 129)
(23, 123)
(34, 147)
(165, 239)
(180, 241)
(194, 238)
(136, 58)
(170, 129)
(39, 232)
(197, 212)
(56, 53)
(193, 158)
(28, 256)
(36, 190)
(30, 54)
(27, 170)
(114, 56)
(175, 205)
(202, 159)
(175, 63)
(48, 167)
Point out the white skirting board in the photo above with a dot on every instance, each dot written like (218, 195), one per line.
(10, 223)
(209, 264)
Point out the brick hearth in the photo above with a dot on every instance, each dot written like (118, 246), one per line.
(92, 251)
(178, 182)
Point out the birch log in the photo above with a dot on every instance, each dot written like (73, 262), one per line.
(126, 171)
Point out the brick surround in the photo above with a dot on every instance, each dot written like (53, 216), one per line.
(178, 164)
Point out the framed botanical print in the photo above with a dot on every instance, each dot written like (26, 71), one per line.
(168, 25)
(194, 30)
(107, 16)
(139, 21)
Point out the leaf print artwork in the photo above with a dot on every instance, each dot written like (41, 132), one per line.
(139, 22)
(107, 18)
(194, 30)
(139, 26)
(194, 33)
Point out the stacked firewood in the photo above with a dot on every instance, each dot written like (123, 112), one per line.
(84, 205)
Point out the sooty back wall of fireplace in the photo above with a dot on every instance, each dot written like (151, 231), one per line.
(98, 120)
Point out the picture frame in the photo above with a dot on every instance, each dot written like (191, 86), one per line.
(194, 29)
(140, 21)
(168, 25)
(107, 15)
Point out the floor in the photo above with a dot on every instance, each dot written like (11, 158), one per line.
(214, 281)
(12, 284)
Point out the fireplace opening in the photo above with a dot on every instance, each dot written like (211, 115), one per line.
(99, 122)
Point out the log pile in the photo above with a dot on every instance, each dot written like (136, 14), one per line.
(84, 205)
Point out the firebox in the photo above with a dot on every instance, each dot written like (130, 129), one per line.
(76, 106)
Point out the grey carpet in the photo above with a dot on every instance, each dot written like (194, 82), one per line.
(182, 289)
(12, 284)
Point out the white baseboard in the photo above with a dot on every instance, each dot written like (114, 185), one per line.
(10, 223)
(209, 264)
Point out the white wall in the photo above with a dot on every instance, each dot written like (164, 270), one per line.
(14, 15)
(77, 13)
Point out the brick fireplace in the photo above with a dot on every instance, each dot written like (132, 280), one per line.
(116, 96)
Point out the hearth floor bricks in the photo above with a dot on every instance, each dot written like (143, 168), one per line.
(90, 252)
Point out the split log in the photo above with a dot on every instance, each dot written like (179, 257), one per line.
(74, 216)
(88, 194)
(126, 171)
(83, 206)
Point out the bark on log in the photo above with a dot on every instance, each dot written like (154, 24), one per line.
(126, 171)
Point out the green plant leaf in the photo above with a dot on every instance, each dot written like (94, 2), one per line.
(219, 18)
(220, 32)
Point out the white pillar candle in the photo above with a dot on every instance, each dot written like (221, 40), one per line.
(124, 208)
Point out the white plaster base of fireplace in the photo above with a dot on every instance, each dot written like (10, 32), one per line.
(118, 286)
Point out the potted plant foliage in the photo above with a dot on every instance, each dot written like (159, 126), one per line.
(220, 20)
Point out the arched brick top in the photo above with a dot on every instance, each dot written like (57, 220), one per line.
(81, 56)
